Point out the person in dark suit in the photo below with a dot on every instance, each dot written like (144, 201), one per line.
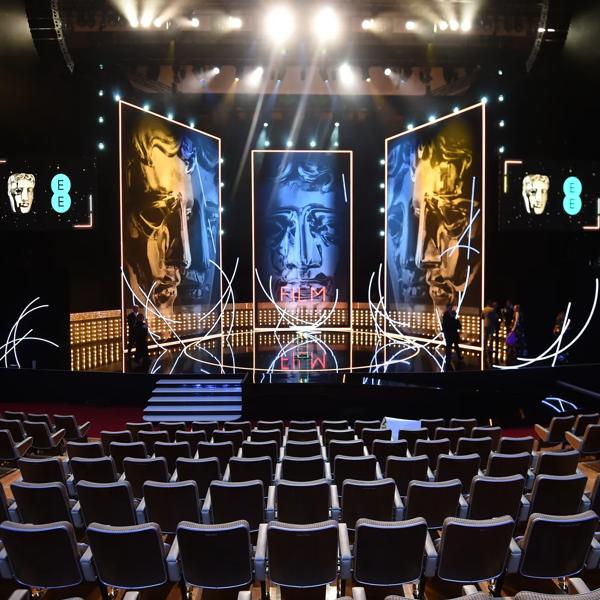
(140, 337)
(451, 329)
(131, 317)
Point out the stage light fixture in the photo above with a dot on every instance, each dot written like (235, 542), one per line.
(455, 109)
(133, 21)
(382, 186)
(101, 146)
(501, 149)
(100, 119)
(289, 144)
(411, 25)
(158, 23)
(215, 71)
(454, 25)
(382, 161)
(365, 74)
(195, 22)
(346, 74)
(192, 123)
(100, 92)
(501, 123)
(323, 74)
(235, 22)
(484, 99)
(368, 24)
(221, 232)
(501, 98)
(170, 116)
(221, 160)
(279, 24)
(381, 233)
(267, 143)
(466, 26)
(409, 126)
(443, 25)
(222, 184)
(236, 78)
(387, 72)
(313, 144)
(255, 76)
(431, 118)
(265, 124)
(117, 97)
(326, 25)
(336, 144)
(146, 106)
(336, 124)
(146, 21)
(382, 209)
(500, 72)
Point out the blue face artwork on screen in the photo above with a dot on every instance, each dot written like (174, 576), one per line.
(302, 228)
(170, 212)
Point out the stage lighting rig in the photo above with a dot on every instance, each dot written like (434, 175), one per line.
(280, 24)
(326, 25)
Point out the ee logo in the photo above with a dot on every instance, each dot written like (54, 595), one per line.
(61, 186)
(572, 201)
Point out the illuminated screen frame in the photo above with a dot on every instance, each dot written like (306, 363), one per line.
(482, 106)
(350, 154)
(123, 103)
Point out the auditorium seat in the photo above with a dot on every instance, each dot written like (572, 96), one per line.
(84, 450)
(369, 435)
(207, 426)
(73, 431)
(191, 437)
(168, 503)
(258, 449)
(44, 441)
(337, 434)
(363, 468)
(269, 425)
(403, 470)
(360, 424)
(488, 431)
(150, 438)
(303, 449)
(383, 449)
(319, 545)
(122, 450)
(171, 427)
(432, 449)
(305, 424)
(450, 433)
(15, 426)
(580, 589)
(96, 470)
(474, 551)
(554, 463)
(481, 446)
(215, 557)
(468, 424)
(249, 469)
(302, 435)
(15, 415)
(412, 436)
(491, 497)
(139, 470)
(344, 448)
(171, 451)
(554, 434)
(45, 470)
(582, 421)
(135, 428)
(267, 435)
(5, 505)
(309, 468)
(516, 445)
(40, 418)
(588, 444)
(106, 503)
(463, 468)
(220, 450)
(557, 494)
(392, 554)
(433, 500)
(106, 437)
(244, 426)
(40, 503)
(233, 501)
(376, 500)
(503, 465)
(202, 471)
(235, 436)
(11, 451)
(130, 558)
(431, 425)
(46, 556)
(302, 502)
(339, 424)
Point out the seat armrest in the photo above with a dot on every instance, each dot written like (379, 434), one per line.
(467, 590)
(431, 556)
(577, 586)
(140, 512)
(260, 554)
(173, 561)
(174, 476)
(463, 507)
(344, 552)
(365, 451)
(77, 516)
(514, 557)
(227, 474)
(334, 502)
(541, 432)
(131, 596)
(593, 557)
(398, 506)
(430, 475)
(5, 571)
(244, 596)
(87, 565)
(530, 479)
(573, 440)
(585, 503)
(66, 465)
(206, 507)
(358, 593)
(270, 514)
(239, 453)
(57, 436)
(480, 473)
(323, 454)
(83, 429)
(524, 510)
(24, 445)
(328, 472)
(278, 471)
(378, 474)
(71, 487)
(13, 512)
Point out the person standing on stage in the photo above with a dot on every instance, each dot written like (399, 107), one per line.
(451, 329)
(131, 318)
(140, 337)
(516, 344)
(489, 314)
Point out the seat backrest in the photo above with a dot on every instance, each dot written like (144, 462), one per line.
(303, 502)
(433, 500)
(363, 468)
(249, 469)
(151, 437)
(122, 450)
(360, 424)
(591, 440)
(106, 437)
(486, 431)
(267, 435)
(7, 446)
(42, 556)
(316, 543)
(97, 470)
(451, 433)
(244, 426)
(503, 465)
(389, 554)
(232, 501)
(558, 426)
(306, 468)
(431, 425)
(223, 451)
(235, 436)
(15, 415)
(337, 434)
(411, 436)
(495, 496)
(69, 424)
(468, 424)
(382, 449)
(139, 470)
(191, 437)
(128, 557)
(84, 450)
(515, 445)
(42, 470)
(432, 449)
(225, 550)
(345, 448)
(135, 428)
(367, 500)
(269, 425)
(302, 435)
(302, 449)
(481, 446)
(3, 505)
(40, 418)
(474, 551)
(339, 424)
(257, 449)
(557, 463)
(40, 503)
(463, 468)
(171, 502)
(369, 435)
(404, 469)
(171, 451)
(200, 470)
(206, 426)
(569, 537)
(39, 432)
(557, 494)
(582, 421)
(171, 427)
(304, 424)
(15, 427)
(107, 503)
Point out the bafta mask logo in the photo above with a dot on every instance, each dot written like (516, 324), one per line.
(20, 192)
(535, 193)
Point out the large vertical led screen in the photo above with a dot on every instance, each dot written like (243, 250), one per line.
(302, 228)
(170, 228)
(434, 224)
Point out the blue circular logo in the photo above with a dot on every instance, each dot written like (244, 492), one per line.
(61, 186)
